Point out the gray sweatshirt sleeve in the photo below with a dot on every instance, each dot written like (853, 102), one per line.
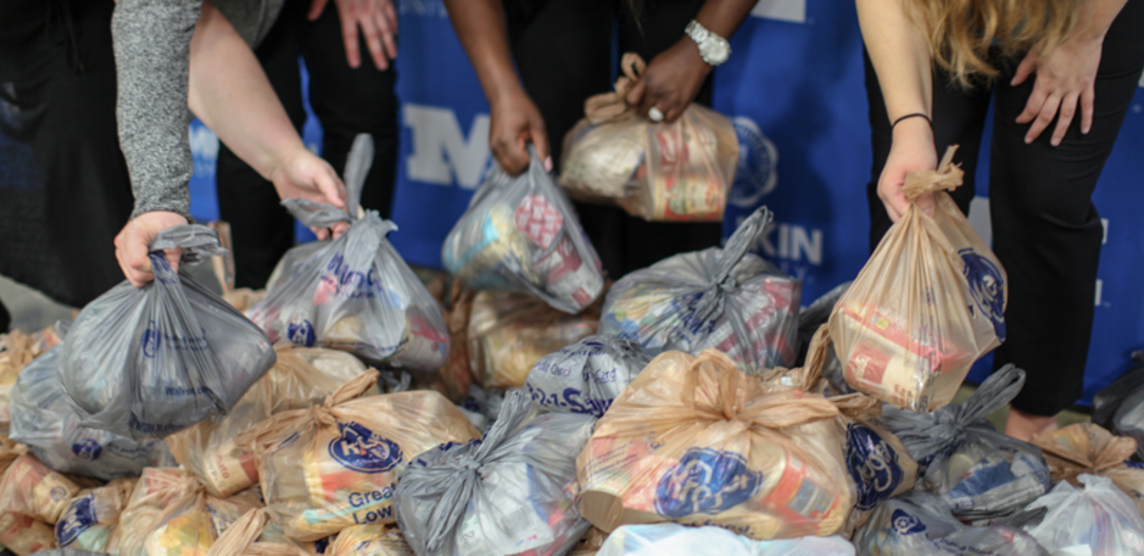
(152, 41)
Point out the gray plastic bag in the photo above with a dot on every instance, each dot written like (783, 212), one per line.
(147, 362)
(43, 419)
(586, 376)
(511, 492)
(919, 524)
(979, 472)
(356, 294)
(522, 234)
(723, 298)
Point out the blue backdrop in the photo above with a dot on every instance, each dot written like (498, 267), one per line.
(794, 88)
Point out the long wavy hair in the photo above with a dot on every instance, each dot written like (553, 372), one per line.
(961, 33)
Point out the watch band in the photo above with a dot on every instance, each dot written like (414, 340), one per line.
(713, 48)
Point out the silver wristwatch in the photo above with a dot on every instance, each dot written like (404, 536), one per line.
(714, 49)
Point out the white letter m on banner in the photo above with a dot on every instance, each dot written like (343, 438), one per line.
(441, 151)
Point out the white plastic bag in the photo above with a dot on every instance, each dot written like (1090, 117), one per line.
(1099, 517)
(147, 362)
(672, 539)
(522, 234)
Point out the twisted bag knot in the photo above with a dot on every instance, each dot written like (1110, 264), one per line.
(608, 107)
(947, 177)
(323, 415)
(467, 463)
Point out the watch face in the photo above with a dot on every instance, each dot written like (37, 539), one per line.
(716, 51)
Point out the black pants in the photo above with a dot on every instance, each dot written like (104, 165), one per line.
(58, 91)
(563, 49)
(1046, 230)
(347, 102)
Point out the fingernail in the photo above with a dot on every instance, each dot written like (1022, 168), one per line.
(1056, 142)
(1028, 140)
(548, 164)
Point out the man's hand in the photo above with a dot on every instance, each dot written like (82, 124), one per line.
(133, 245)
(912, 150)
(515, 122)
(303, 175)
(378, 22)
(671, 80)
(1065, 76)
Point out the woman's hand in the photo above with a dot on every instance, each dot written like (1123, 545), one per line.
(671, 80)
(912, 150)
(515, 121)
(301, 174)
(378, 22)
(133, 245)
(1065, 76)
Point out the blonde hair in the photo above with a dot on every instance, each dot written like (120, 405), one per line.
(961, 33)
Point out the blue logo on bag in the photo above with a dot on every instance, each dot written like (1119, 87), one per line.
(705, 481)
(301, 333)
(153, 338)
(873, 465)
(79, 517)
(988, 288)
(359, 449)
(906, 524)
(87, 449)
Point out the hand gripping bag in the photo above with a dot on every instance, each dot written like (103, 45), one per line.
(1096, 518)
(672, 539)
(928, 303)
(696, 441)
(723, 298)
(512, 492)
(356, 294)
(90, 518)
(675, 172)
(43, 419)
(147, 362)
(919, 524)
(586, 377)
(1085, 448)
(509, 333)
(301, 377)
(978, 471)
(328, 467)
(521, 234)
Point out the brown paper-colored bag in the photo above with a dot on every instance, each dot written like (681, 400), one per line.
(369, 540)
(1088, 448)
(696, 441)
(300, 377)
(30, 488)
(331, 466)
(242, 539)
(928, 303)
(680, 171)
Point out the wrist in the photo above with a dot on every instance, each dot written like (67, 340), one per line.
(913, 130)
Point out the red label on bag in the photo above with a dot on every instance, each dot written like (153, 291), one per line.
(868, 364)
(538, 219)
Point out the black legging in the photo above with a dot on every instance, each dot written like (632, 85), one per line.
(347, 102)
(1046, 230)
(563, 49)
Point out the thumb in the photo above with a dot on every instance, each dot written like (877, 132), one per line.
(332, 187)
(1024, 69)
(925, 203)
(316, 9)
(540, 139)
(173, 256)
(635, 95)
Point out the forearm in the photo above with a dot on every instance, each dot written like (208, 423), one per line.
(723, 17)
(229, 92)
(900, 55)
(1096, 18)
(481, 28)
(152, 50)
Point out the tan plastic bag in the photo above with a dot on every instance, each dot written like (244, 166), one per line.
(677, 172)
(192, 522)
(245, 537)
(455, 378)
(23, 535)
(30, 488)
(91, 517)
(301, 377)
(328, 467)
(1087, 448)
(369, 540)
(696, 441)
(509, 333)
(928, 303)
(155, 489)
